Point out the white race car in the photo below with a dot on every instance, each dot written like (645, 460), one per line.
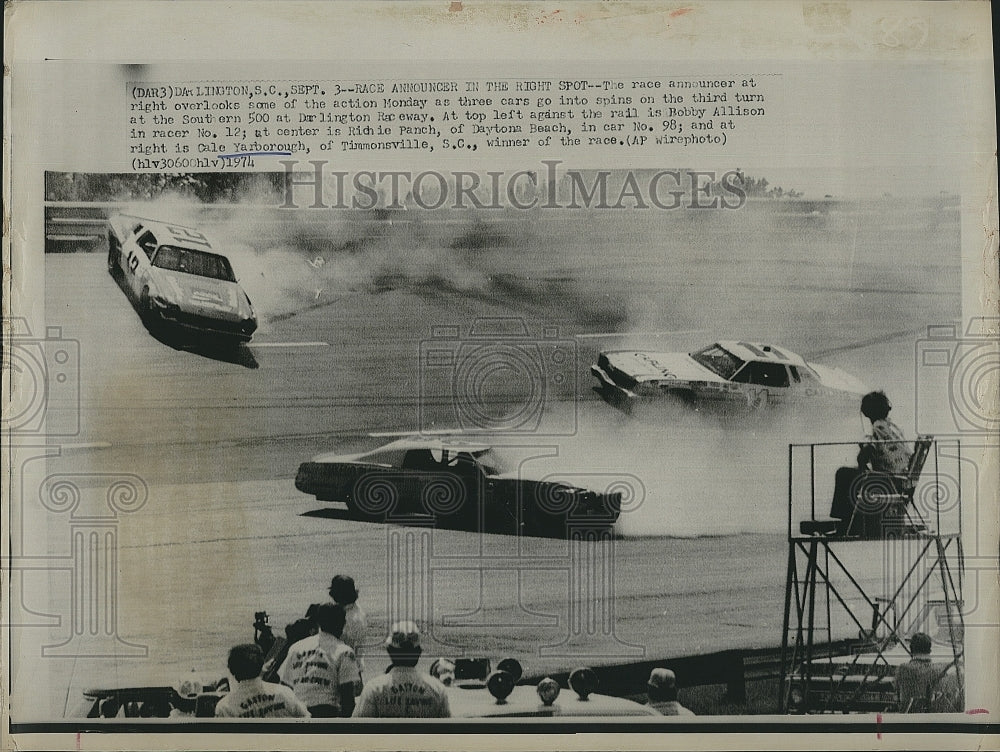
(726, 375)
(178, 279)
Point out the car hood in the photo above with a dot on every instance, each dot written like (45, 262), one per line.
(834, 378)
(200, 295)
(656, 366)
(334, 457)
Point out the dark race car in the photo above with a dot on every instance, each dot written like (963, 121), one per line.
(459, 484)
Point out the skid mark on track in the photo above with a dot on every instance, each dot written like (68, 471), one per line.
(861, 344)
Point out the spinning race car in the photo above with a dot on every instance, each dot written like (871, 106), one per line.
(726, 376)
(177, 279)
(459, 484)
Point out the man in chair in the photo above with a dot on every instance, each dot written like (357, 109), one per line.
(885, 453)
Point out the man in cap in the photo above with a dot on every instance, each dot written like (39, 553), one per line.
(919, 682)
(344, 593)
(252, 697)
(321, 668)
(403, 692)
(661, 693)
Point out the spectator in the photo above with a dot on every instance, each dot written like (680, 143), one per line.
(887, 452)
(920, 683)
(252, 697)
(403, 692)
(443, 669)
(344, 593)
(322, 669)
(661, 693)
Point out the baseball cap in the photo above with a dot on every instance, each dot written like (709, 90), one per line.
(404, 635)
(661, 678)
(920, 642)
(342, 589)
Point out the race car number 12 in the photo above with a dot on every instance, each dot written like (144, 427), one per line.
(133, 261)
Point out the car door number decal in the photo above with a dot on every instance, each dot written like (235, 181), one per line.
(133, 261)
(187, 235)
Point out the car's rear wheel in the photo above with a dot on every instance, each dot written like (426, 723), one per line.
(685, 396)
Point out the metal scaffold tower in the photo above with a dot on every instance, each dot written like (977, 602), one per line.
(856, 589)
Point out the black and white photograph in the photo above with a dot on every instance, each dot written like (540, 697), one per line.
(452, 369)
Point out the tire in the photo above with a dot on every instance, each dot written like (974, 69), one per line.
(113, 256)
(146, 312)
(684, 396)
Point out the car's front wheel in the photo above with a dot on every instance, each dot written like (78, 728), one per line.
(146, 311)
(113, 254)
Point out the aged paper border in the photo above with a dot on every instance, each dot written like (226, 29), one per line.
(774, 31)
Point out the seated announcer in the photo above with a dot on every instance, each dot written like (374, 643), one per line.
(885, 453)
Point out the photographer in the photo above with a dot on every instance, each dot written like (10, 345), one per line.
(322, 669)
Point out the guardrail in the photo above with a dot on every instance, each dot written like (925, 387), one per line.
(733, 668)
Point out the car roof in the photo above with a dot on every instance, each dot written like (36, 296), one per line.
(452, 443)
(762, 351)
(165, 233)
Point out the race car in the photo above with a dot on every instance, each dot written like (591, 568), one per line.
(177, 279)
(458, 483)
(726, 376)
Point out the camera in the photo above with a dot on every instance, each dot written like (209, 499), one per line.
(44, 382)
(498, 378)
(956, 380)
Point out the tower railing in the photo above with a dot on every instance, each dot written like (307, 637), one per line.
(890, 564)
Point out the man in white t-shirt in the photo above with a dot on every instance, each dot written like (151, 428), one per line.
(403, 692)
(251, 696)
(322, 669)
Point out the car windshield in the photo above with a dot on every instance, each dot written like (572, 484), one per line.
(492, 462)
(194, 262)
(718, 360)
